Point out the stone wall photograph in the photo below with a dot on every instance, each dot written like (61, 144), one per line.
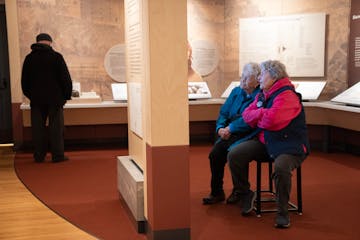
(82, 31)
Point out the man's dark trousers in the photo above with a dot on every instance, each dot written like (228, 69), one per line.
(39, 115)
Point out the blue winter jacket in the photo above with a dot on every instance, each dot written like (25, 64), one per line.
(231, 114)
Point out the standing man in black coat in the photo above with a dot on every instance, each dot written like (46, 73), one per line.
(47, 83)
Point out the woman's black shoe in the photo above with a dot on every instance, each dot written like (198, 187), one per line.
(235, 197)
(211, 199)
(56, 160)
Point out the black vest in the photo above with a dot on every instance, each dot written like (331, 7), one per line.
(292, 138)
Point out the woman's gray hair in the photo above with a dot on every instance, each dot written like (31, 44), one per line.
(251, 69)
(276, 69)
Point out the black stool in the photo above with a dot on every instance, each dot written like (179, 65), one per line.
(260, 199)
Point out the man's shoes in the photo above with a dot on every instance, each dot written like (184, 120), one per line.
(57, 160)
(234, 198)
(39, 160)
(282, 221)
(248, 200)
(39, 157)
(211, 199)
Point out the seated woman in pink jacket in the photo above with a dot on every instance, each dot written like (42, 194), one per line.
(278, 114)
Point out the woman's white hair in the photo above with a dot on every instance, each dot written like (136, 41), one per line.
(251, 69)
(275, 68)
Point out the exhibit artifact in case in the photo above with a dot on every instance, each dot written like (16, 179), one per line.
(228, 90)
(83, 97)
(351, 96)
(310, 90)
(198, 90)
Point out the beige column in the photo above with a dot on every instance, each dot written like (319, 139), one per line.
(159, 141)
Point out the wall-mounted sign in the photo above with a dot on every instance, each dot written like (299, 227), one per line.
(115, 63)
(354, 43)
(135, 111)
(296, 40)
(205, 56)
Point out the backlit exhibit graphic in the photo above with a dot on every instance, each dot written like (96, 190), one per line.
(350, 96)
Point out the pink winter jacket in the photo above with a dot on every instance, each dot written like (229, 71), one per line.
(286, 106)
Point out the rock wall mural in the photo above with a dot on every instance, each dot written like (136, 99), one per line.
(82, 30)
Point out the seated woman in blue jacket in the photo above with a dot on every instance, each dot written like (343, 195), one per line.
(231, 130)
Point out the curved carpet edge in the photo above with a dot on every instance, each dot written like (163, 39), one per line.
(82, 191)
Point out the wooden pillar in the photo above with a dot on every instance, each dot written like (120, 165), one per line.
(156, 41)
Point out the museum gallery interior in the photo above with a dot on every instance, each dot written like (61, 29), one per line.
(149, 78)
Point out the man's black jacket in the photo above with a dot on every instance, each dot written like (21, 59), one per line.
(45, 77)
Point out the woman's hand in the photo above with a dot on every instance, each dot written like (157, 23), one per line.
(224, 133)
